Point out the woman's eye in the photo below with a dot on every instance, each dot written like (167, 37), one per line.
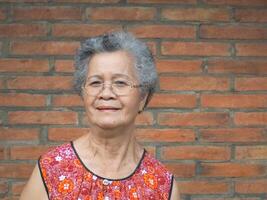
(95, 83)
(121, 83)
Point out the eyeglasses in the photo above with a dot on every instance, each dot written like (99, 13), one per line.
(119, 87)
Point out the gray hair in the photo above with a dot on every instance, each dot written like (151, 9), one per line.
(114, 41)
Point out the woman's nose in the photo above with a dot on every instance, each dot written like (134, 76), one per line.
(107, 91)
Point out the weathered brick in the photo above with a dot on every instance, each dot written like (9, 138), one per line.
(163, 31)
(251, 49)
(234, 101)
(82, 30)
(194, 119)
(24, 100)
(247, 135)
(15, 170)
(165, 135)
(195, 48)
(17, 134)
(66, 134)
(196, 153)
(67, 100)
(195, 83)
(182, 170)
(40, 82)
(226, 66)
(42, 117)
(232, 32)
(179, 66)
(234, 170)
(22, 30)
(251, 152)
(196, 14)
(47, 13)
(236, 2)
(23, 65)
(27, 152)
(250, 83)
(203, 187)
(44, 48)
(251, 15)
(251, 187)
(250, 118)
(173, 100)
(121, 13)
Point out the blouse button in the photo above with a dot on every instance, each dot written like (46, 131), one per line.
(105, 182)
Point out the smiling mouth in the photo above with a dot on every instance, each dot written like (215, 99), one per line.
(108, 109)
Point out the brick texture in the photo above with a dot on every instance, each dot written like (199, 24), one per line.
(207, 121)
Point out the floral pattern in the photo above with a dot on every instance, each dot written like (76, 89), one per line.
(67, 178)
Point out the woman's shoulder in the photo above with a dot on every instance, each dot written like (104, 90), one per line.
(57, 153)
(157, 165)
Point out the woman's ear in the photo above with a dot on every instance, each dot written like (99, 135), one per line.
(142, 103)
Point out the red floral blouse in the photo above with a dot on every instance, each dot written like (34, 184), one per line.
(66, 177)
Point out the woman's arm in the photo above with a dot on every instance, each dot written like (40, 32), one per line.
(175, 195)
(34, 189)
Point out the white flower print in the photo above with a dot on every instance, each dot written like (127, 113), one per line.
(58, 158)
(62, 177)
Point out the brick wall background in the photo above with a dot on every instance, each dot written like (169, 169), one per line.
(207, 121)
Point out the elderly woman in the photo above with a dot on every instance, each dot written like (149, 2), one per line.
(116, 77)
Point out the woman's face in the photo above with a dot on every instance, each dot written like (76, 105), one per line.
(107, 109)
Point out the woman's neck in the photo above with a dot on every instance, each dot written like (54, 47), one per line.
(108, 147)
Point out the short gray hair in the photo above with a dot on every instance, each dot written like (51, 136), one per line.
(114, 41)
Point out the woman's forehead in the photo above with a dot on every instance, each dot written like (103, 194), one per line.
(118, 63)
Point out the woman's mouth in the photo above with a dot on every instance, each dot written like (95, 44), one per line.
(107, 109)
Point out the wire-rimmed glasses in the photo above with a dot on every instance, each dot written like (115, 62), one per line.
(120, 87)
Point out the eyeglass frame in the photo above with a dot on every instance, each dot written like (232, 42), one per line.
(103, 84)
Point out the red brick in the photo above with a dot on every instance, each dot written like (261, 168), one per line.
(250, 118)
(42, 117)
(247, 135)
(232, 32)
(163, 31)
(233, 170)
(165, 135)
(15, 170)
(251, 152)
(44, 48)
(195, 48)
(17, 187)
(23, 65)
(24, 100)
(27, 152)
(153, 47)
(252, 186)
(196, 153)
(196, 14)
(47, 13)
(236, 2)
(66, 134)
(67, 100)
(64, 66)
(163, 1)
(82, 30)
(89, 1)
(145, 118)
(195, 83)
(203, 187)
(251, 49)
(2, 155)
(3, 188)
(250, 83)
(14, 134)
(256, 67)
(173, 100)
(40, 82)
(22, 30)
(182, 170)
(121, 13)
(233, 100)
(2, 14)
(179, 66)
(194, 119)
(251, 15)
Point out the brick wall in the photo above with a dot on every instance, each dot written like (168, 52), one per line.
(207, 121)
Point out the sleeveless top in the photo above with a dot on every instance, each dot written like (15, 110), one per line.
(66, 177)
